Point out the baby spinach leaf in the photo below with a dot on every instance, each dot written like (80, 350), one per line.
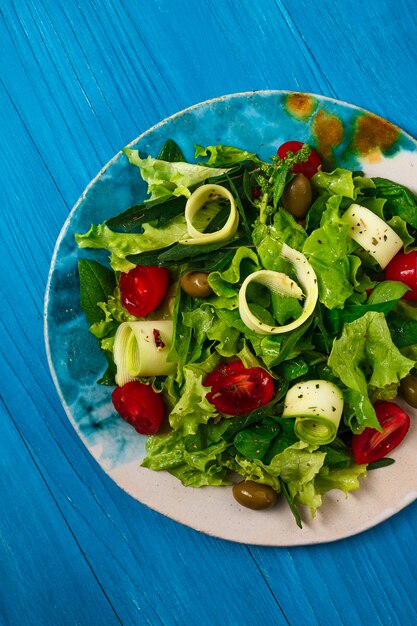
(97, 282)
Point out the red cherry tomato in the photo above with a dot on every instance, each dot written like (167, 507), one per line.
(143, 288)
(403, 267)
(371, 445)
(140, 406)
(309, 167)
(236, 390)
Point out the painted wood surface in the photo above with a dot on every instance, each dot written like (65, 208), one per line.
(79, 80)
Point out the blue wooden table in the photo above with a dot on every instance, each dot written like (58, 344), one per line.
(78, 81)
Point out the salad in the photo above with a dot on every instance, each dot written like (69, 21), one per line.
(257, 320)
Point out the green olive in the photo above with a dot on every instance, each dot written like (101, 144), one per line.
(408, 388)
(196, 284)
(297, 196)
(254, 495)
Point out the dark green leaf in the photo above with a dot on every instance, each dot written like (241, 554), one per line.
(315, 212)
(381, 463)
(109, 375)
(403, 332)
(293, 369)
(285, 438)
(336, 318)
(236, 424)
(171, 152)
(338, 454)
(97, 282)
(180, 252)
(240, 208)
(290, 502)
(400, 200)
(160, 211)
(280, 178)
(254, 442)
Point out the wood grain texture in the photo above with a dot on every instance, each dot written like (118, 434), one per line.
(77, 82)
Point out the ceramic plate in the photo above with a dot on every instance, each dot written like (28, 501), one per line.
(258, 122)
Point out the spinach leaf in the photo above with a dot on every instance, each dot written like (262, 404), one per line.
(160, 211)
(380, 463)
(171, 152)
(97, 282)
(290, 501)
(254, 442)
(400, 200)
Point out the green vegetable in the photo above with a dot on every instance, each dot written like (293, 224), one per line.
(165, 178)
(328, 250)
(96, 284)
(365, 357)
(122, 245)
(400, 201)
(317, 407)
(343, 347)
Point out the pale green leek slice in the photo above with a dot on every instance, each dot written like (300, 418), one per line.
(280, 283)
(373, 234)
(317, 407)
(141, 349)
(195, 203)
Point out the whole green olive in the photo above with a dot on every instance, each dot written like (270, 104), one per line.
(297, 196)
(254, 495)
(196, 284)
(408, 388)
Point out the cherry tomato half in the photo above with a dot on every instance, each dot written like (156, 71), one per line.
(143, 288)
(140, 406)
(309, 167)
(403, 267)
(371, 445)
(236, 390)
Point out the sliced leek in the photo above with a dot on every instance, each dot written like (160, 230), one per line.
(195, 203)
(141, 349)
(317, 407)
(280, 283)
(373, 234)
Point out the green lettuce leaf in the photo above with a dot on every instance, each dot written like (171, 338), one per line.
(122, 245)
(224, 156)
(192, 407)
(339, 182)
(195, 468)
(365, 357)
(165, 178)
(327, 249)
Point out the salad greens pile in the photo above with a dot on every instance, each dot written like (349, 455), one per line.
(361, 336)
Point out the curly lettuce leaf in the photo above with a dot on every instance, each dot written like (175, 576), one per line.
(339, 182)
(327, 249)
(223, 156)
(121, 245)
(195, 468)
(192, 407)
(364, 358)
(165, 178)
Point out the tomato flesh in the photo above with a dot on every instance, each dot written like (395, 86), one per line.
(236, 390)
(309, 167)
(143, 289)
(140, 406)
(372, 445)
(403, 267)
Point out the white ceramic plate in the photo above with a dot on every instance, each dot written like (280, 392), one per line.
(258, 122)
